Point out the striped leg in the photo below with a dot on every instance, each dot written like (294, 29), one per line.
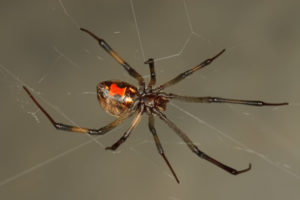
(188, 72)
(109, 50)
(78, 129)
(152, 81)
(221, 100)
(159, 146)
(196, 150)
(134, 123)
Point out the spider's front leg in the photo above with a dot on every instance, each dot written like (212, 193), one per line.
(114, 54)
(152, 81)
(220, 100)
(188, 72)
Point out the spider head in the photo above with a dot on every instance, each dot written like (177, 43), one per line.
(158, 102)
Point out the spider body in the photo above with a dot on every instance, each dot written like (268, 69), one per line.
(123, 100)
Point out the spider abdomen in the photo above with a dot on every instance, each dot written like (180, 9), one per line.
(116, 96)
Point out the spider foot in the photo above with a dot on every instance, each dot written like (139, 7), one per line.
(115, 145)
(112, 148)
(272, 104)
(236, 172)
(210, 60)
(220, 53)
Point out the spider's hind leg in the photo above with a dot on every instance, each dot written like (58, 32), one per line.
(71, 128)
(159, 146)
(134, 123)
(195, 149)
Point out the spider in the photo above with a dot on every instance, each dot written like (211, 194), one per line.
(123, 100)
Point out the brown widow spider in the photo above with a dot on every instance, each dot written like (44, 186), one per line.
(122, 100)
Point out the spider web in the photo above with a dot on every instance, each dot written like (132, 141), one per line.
(43, 49)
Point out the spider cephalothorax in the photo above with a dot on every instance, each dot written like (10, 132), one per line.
(154, 101)
(123, 100)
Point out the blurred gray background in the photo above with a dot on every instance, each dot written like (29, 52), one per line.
(42, 47)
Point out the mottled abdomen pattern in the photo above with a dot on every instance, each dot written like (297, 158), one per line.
(116, 96)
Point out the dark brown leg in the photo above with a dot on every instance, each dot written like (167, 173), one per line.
(188, 72)
(109, 50)
(78, 129)
(134, 123)
(159, 146)
(195, 149)
(152, 81)
(221, 100)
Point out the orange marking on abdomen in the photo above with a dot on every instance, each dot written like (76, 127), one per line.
(114, 90)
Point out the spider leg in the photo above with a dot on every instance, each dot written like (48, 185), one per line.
(152, 81)
(159, 146)
(78, 129)
(195, 149)
(221, 100)
(188, 72)
(134, 123)
(109, 50)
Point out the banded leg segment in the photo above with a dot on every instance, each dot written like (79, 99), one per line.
(221, 100)
(159, 146)
(78, 129)
(109, 50)
(196, 150)
(134, 123)
(152, 81)
(188, 72)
